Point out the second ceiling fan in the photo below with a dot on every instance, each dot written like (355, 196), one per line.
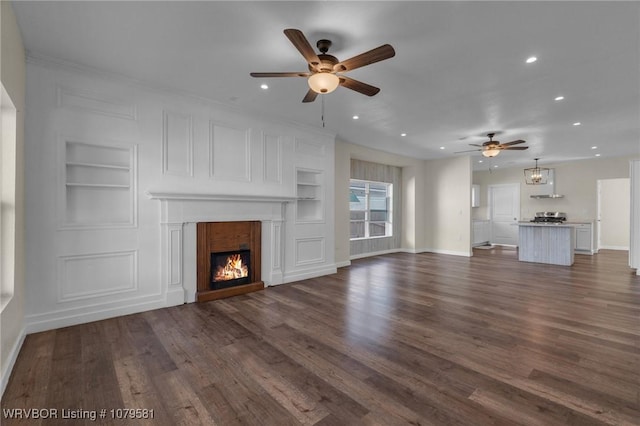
(492, 148)
(326, 71)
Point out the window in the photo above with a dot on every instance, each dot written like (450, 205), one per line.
(370, 205)
(8, 139)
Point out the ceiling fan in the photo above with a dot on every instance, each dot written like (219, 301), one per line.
(326, 71)
(492, 148)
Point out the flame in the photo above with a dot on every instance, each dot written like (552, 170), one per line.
(232, 270)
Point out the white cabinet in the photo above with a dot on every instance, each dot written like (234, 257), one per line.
(481, 232)
(584, 238)
(475, 195)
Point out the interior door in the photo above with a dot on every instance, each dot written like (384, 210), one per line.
(614, 206)
(504, 205)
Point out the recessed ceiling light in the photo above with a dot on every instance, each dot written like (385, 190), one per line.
(531, 59)
(495, 167)
(264, 86)
(559, 98)
(577, 123)
(597, 155)
(355, 117)
(479, 161)
(442, 147)
(403, 134)
(594, 147)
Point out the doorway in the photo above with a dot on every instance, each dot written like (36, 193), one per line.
(613, 220)
(504, 213)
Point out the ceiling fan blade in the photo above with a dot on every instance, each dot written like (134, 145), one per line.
(279, 74)
(512, 142)
(358, 86)
(475, 144)
(302, 44)
(514, 148)
(310, 96)
(372, 56)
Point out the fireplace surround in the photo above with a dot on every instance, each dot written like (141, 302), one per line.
(179, 215)
(228, 259)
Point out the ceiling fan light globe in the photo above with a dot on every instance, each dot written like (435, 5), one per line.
(490, 152)
(323, 82)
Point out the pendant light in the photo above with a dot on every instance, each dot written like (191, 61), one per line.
(536, 175)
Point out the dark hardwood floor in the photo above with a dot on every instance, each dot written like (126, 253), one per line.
(398, 339)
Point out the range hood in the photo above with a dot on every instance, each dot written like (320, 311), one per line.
(548, 190)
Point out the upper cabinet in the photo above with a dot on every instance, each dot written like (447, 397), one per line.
(475, 195)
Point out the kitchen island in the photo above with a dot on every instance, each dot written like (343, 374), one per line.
(551, 243)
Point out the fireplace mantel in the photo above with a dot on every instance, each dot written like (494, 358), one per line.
(180, 211)
(182, 196)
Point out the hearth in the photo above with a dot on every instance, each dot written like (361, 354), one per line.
(228, 259)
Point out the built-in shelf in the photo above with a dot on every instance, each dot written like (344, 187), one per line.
(97, 165)
(98, 185)
(309, 193)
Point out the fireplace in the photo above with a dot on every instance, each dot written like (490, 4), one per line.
(228, 259)
(230, 268)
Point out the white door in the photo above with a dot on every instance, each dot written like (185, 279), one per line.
(504, 205)
(614, 206)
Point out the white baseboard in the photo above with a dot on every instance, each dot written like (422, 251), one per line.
(374, 253)
(309, 273)
(343, 264)
(176, 296)
(59, 319)
(614, 248)
(413, 251)
(11, 361)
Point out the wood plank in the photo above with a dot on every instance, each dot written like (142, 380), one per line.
(424, 339)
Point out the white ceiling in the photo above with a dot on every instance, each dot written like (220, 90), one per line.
(459, 70)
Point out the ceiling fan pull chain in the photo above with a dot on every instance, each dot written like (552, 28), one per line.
(322, 113)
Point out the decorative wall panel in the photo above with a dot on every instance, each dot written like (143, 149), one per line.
(99, 274)
(309, 250)
(230, 152)
(177, 144)
(272, 148)
(175, 247)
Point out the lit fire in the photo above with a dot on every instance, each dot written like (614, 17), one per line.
(233, 269)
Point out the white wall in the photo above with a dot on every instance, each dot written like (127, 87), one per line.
(13, 76)
(95, 251)
(448, 209)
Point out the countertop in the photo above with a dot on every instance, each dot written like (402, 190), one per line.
(569, 223)
(548, 224)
